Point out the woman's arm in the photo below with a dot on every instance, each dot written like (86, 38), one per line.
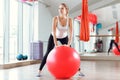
(70, 31)
(54, 24)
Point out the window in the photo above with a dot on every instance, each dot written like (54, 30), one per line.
(13, 30)
(20, 23)
(1, 30)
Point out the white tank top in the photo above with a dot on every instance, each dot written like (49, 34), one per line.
(61, 31)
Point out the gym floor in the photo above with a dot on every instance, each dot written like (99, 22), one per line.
(93, 70)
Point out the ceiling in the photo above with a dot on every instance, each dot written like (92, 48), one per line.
(75, 5)
(99, 7)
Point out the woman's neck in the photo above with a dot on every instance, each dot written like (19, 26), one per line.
(63, 16)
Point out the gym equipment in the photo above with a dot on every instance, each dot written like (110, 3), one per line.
(63, 62)
(84, 27)
(115, 51)
(19, 57)
(25, 57)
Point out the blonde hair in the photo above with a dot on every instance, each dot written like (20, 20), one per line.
(66, 7)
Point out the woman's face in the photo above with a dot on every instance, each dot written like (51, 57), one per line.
(62, 10)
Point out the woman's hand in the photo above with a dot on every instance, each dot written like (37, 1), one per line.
(67, 45)
(57, 45)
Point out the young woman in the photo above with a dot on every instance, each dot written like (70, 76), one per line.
(62, 31)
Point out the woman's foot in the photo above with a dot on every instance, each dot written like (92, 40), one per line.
(39, 74)
(81, 74)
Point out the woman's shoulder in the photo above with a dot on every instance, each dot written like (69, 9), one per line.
(55, 18)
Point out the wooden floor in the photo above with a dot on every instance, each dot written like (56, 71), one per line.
(93, 70)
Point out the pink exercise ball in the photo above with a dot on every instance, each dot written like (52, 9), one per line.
(63, 62)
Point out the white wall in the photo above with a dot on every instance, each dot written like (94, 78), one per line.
(45, 22)
(75, 14)
(76, 32)
(45, 25)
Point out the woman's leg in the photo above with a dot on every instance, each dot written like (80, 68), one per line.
(49, 48)
(110, 47)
